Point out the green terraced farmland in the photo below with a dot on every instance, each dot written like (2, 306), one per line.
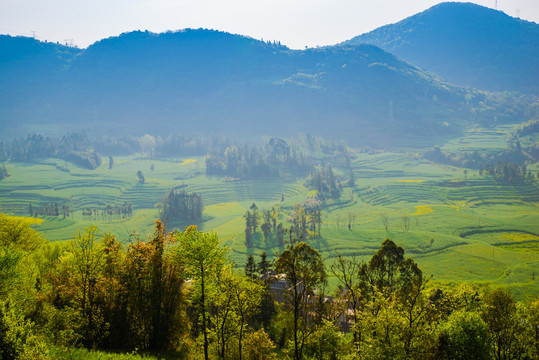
(461, 228)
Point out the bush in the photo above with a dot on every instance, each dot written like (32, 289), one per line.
(463, 337)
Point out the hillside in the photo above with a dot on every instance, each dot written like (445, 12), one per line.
(465, 44)
(218, 83)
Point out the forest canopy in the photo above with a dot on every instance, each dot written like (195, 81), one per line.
(179, 292)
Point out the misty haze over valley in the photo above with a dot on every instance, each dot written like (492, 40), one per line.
(198, 194)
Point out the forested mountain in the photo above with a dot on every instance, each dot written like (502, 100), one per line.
(466, 44)
(32, 75)
(205, 81)
(199, 80)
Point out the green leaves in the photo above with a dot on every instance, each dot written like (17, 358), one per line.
(199, 253)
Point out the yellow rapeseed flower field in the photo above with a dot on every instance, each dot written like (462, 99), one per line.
(27, 220)
(188, 161)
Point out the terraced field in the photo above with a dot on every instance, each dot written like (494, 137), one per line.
(460, 228)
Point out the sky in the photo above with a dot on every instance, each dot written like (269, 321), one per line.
(295, 23)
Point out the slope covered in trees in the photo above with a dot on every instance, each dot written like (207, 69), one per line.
(178, 292)
(465, 44)
(219, 83)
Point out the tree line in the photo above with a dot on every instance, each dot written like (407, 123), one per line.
(508, 172)
(270, 223)
(73, 146)
(511, 159)
(49, 209)
(277, 157)
(251, 162)
(324, 182)
(181, 205)
(110, 212)
(305, 220)
(180, 292)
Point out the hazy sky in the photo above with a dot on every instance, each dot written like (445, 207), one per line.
(296, 23)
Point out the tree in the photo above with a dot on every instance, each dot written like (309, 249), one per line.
(250, 267)
(258, 346)
(147, 143)
(464, 336)
(237, 302)
(298, 218)
(326, 343)
(248, 237)
(347, 270)
(279, 234)
(247, 295)
(266, 230)
(87, 259)
(254, 218)
(351, 179)
(181, 205)
(264, 265)
(10, 265)
(394, 287)
(225, 320)
(382, 271)
(18, 339)
(305, 271)
(385, 221)
(203, 260)
(140, 177)
(532, 312)
(153, 285)
(383, 330)
(3, 172)
(274, 217)
(405, 223)
(351, 218)
(17, 233)
(505, 326)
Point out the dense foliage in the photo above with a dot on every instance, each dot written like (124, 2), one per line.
(181, 205)
(178, 292)
(508, 166)
(74, 147)
(324, 181)
(528, 128)
(249, 162)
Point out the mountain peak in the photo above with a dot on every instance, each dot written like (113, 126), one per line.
(467, 44)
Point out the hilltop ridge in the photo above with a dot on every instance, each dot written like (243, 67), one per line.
(467, 44)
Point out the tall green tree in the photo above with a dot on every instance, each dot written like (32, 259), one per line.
(393, 287)
(264, 265)
(250, 267)
(247, 295)
(305, 272)
(464, 336)
(141, 179)
(506, 327)
(203, 260)
(347, 270)
(87, 261)
(254, 217)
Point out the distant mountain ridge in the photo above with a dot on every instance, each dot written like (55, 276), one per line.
(466, 44)
(211, 82)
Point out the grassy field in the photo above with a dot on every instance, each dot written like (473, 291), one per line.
(461, 228)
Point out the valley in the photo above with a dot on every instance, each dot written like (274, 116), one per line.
(195, 193)
(457, 224)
